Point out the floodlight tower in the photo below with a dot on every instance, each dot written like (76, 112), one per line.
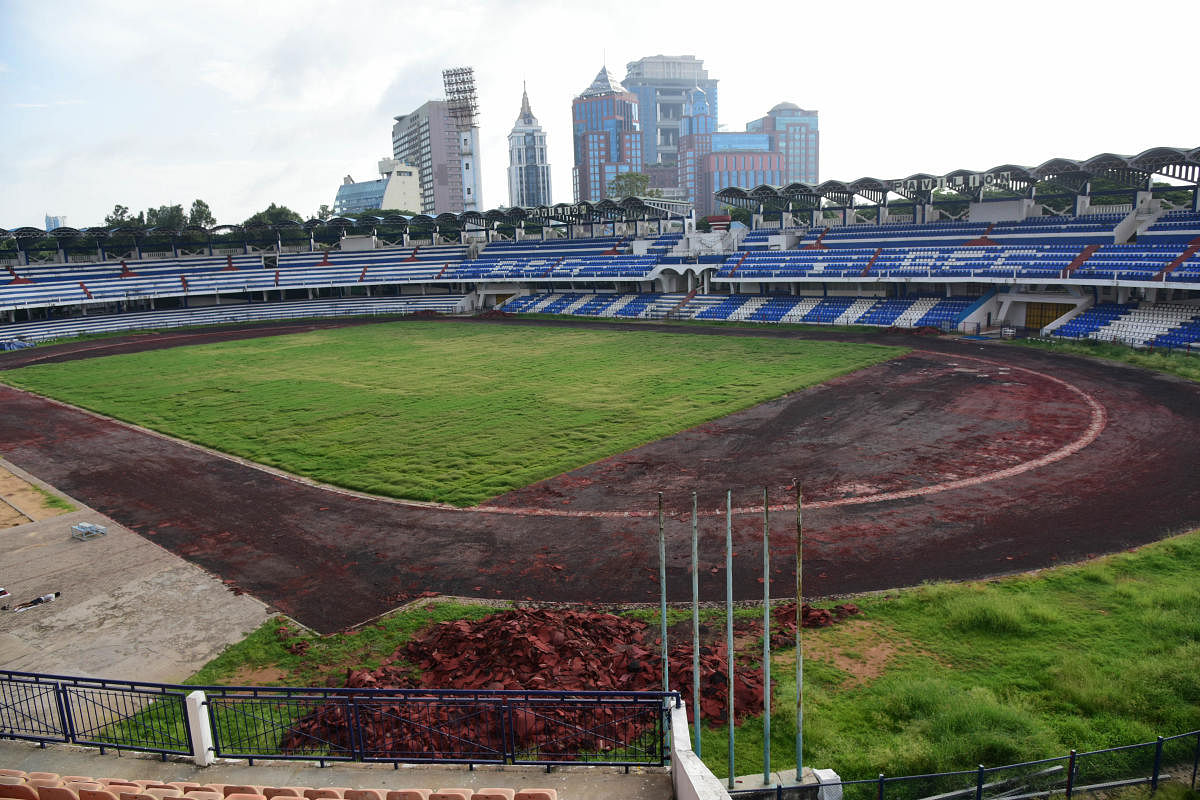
(463, 107)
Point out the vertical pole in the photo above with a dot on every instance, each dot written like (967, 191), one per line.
(979, 777)
(1196, 756)
(799, 639)
(1071, 774)
(695, 627)
(878, 791)
(662, 593)
(729, 620)
(766, 640)
(1158, 748)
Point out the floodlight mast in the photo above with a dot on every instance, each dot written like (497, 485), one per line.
(460, 97)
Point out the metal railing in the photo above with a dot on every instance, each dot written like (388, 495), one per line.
(389, 725)
(148, 717)
(448, 726)
(1097, 771)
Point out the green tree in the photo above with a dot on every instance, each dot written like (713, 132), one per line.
(201, 215)
(738, 214)
(119, 216)
(273, 215)
(165, 217)
(324, 212)
(632, 184)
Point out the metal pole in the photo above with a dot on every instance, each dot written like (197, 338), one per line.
(1158, 748)
(1071, 774)
(662, 593)
(695, 626)
(766, 640)
(979, 778)
(799, 638)
(1196, 757)
(729, 620)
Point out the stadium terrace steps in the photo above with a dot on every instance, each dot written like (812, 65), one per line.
(44, 330)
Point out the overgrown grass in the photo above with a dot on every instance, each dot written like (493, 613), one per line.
(948, 676)
(1161, 360)
(448, 412)
(936, 678)
(51, 500)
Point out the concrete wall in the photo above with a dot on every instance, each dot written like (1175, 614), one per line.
(691, 779)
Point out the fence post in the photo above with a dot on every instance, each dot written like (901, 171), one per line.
(1196, 760)
(979, 783)
(879, 791)
(1071, 774)
(1158, 748)
(196, 705)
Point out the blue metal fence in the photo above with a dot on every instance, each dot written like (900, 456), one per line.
(448, 726)
(119, 714)
(388, 725)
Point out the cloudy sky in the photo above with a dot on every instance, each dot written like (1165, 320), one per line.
(247, 103)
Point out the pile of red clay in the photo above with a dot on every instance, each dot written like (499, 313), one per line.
(548, 649)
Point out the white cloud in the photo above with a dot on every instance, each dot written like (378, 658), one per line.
(246, 104)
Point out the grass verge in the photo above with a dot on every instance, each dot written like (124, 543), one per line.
(947, 676)
(1173, 363)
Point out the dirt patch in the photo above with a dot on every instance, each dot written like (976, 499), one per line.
(22, 502)
(859, 649)
(257, 676)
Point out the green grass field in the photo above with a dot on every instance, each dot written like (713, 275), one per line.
(447, 412)
(930, 679)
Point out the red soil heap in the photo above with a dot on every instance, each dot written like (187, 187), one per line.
(551, 649)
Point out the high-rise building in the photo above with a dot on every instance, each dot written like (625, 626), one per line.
(662, 85)
(793, 132)
(55, 222)
(398, 187)
(710, 160)
(608, 138)
(528, 169)
(447, 158)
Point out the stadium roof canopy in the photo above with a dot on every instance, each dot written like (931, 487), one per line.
(629, 209)
(1075, 176)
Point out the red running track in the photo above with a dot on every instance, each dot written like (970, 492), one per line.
(960, 460)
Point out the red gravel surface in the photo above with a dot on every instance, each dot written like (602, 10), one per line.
(960, 460)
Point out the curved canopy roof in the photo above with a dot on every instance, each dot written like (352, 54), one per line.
(1133, 171)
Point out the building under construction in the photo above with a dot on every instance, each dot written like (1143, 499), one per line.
(441, 139)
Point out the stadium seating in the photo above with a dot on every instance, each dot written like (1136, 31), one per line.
(1092, 320)
(19, 785)
(1157, 325)
(1174, 227)
(43, 330)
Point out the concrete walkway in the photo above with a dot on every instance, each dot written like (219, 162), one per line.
(571, 783)
(129, 609)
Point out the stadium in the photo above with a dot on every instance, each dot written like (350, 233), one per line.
(927, 447)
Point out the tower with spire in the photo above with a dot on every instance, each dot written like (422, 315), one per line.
(528, 168)
(607, 137)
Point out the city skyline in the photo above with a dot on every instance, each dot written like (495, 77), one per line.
(130, 104)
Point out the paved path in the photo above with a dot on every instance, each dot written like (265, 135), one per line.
(128, 609)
